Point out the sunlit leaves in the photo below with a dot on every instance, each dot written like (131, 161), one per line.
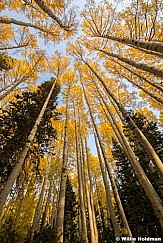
(58, 64)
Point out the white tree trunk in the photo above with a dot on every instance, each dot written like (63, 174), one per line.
(62, 192)
(15, 172)
(148, 147)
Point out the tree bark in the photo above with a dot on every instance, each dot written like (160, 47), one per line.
(62, 193)
(148, 52)
(143, 179)
(112, 213)
(146, 91)
(148, 147)
(91, 194)
(90, 213)
(152, 46)
(47, 204)
(11, 88)
(37, 216)
(49, 12)
(110, 206)
(152, 83)
(7, 20)
(15, 172)
(84, 237)
(142, 66)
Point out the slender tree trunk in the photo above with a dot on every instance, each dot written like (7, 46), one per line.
(150, 167)
(148, 51)
(11, 88)
(100, 208)
(56, 184)
(158, 99)
(13, 47)
(114, 187)
(4, 20)
(79, 220)
(62, 193)
(112, 213)
(109, 201)
(49, 12)
(148, 147)
(15, 172)
(36, 219)
(56, 211)
(84, 238)
(152, 46)
(152, 83)
(146, 91)
(37, 216)
(91, 194)
(143, 179)
(47, 204)
(90, 214)
(53, 206)
(142, 66)
(21, 202)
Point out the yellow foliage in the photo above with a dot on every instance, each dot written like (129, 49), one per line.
(68, 78)
(58, 64)
(95, 165)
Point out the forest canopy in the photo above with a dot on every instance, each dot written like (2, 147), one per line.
(81, 121)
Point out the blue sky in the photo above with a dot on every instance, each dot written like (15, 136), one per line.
(61, 47)
(50, 49)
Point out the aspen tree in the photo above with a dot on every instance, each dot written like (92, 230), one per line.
(146, 91)
(52, 182)
(7, 20)
(22, 78)
(84, 238)
(54, 21)
(149, 149)
(90, 214)
(99, 206)
(116, 194)
(112, 213)
(144, 181)
(103, 20)
(152, 46)
(22, 202)
(152, 83)
(142, 66)
(61, 199)
(67, 25)
(114, 188)
(15, 172)
(56, 182)
(37, 216)
(158, 99)
(91, 192)
(153, 53)
(44, 219)
(53, 207)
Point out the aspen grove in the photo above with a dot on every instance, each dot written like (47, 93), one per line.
(81, 121)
